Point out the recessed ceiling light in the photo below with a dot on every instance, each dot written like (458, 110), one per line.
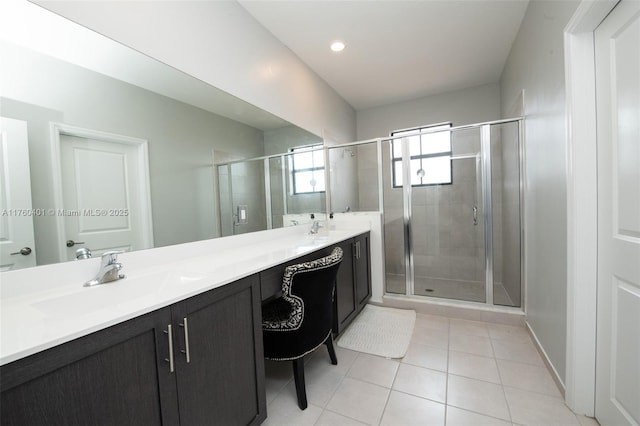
(337, 46)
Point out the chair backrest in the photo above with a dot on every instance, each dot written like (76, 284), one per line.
(314, 283)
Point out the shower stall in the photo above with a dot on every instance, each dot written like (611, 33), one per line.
(451, 199)
(455, 233)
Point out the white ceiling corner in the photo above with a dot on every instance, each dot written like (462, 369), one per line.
(396, 50)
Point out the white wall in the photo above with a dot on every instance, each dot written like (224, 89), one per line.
(221, 44)
(536, 64)
(467, 106)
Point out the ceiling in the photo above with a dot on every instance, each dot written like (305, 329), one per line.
(396, 50)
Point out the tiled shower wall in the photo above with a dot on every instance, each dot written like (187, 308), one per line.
(447, 244)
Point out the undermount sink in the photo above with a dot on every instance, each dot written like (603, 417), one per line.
(85, 300)
(318, 238)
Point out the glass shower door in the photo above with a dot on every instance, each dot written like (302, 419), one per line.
(395, 250)
(506, 214)
(447, 227)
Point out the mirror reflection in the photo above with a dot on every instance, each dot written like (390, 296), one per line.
(127, 163)
(286, 189)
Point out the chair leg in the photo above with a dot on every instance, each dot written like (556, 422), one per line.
(298, 376)
(330, 348)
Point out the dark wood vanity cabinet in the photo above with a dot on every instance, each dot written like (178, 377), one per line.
(353, 284)
(129, 374)
(113, 376)
(198, 361)
(362, 269)
(220, 370)
(345, 302)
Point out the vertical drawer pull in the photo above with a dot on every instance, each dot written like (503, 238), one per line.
(169, 332)
(185, 324)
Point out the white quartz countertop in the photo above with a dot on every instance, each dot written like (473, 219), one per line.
(46, 306)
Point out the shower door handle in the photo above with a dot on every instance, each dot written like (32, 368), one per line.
(475, 215)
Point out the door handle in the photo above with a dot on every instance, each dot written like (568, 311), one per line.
(25, 251)
(475, 215)
(71, 243)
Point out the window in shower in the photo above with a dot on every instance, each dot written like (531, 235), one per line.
(430, 156)
(307, 169)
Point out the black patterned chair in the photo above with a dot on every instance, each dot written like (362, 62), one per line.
(300, 321)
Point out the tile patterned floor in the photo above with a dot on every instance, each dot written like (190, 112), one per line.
(455, 372)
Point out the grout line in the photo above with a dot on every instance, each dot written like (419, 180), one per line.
(446, 372)
(483, 414)
(504, 393)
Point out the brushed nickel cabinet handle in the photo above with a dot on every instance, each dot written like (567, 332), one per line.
(169, 332)
(185, 325)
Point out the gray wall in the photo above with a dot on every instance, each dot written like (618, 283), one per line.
(466, 106)
(191, 36)
(181, 139)
(536, 64)
(280, 141)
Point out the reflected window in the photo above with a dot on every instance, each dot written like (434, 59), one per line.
(307, 169)
(430, 153)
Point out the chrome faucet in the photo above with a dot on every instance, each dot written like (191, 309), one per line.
(315, 226)
(109, 269)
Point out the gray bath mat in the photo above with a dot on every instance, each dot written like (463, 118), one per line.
(380, 331)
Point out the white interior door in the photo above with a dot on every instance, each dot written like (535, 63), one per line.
(617, 42)
(105, 195)
(17, 243)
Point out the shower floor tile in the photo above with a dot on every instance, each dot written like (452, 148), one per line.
(471, 291)
(443, 384)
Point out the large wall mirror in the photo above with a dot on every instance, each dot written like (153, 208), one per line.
(104, 147)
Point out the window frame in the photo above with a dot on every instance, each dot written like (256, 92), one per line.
(422, 156)
(297, 150)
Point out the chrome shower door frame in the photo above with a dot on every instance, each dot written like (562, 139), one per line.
(487, 192)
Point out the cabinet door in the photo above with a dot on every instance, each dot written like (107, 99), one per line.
(223, 381)
(345, 297)
(116, 376)
(362, 269)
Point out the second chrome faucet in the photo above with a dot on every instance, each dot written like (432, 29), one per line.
(109, 269)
